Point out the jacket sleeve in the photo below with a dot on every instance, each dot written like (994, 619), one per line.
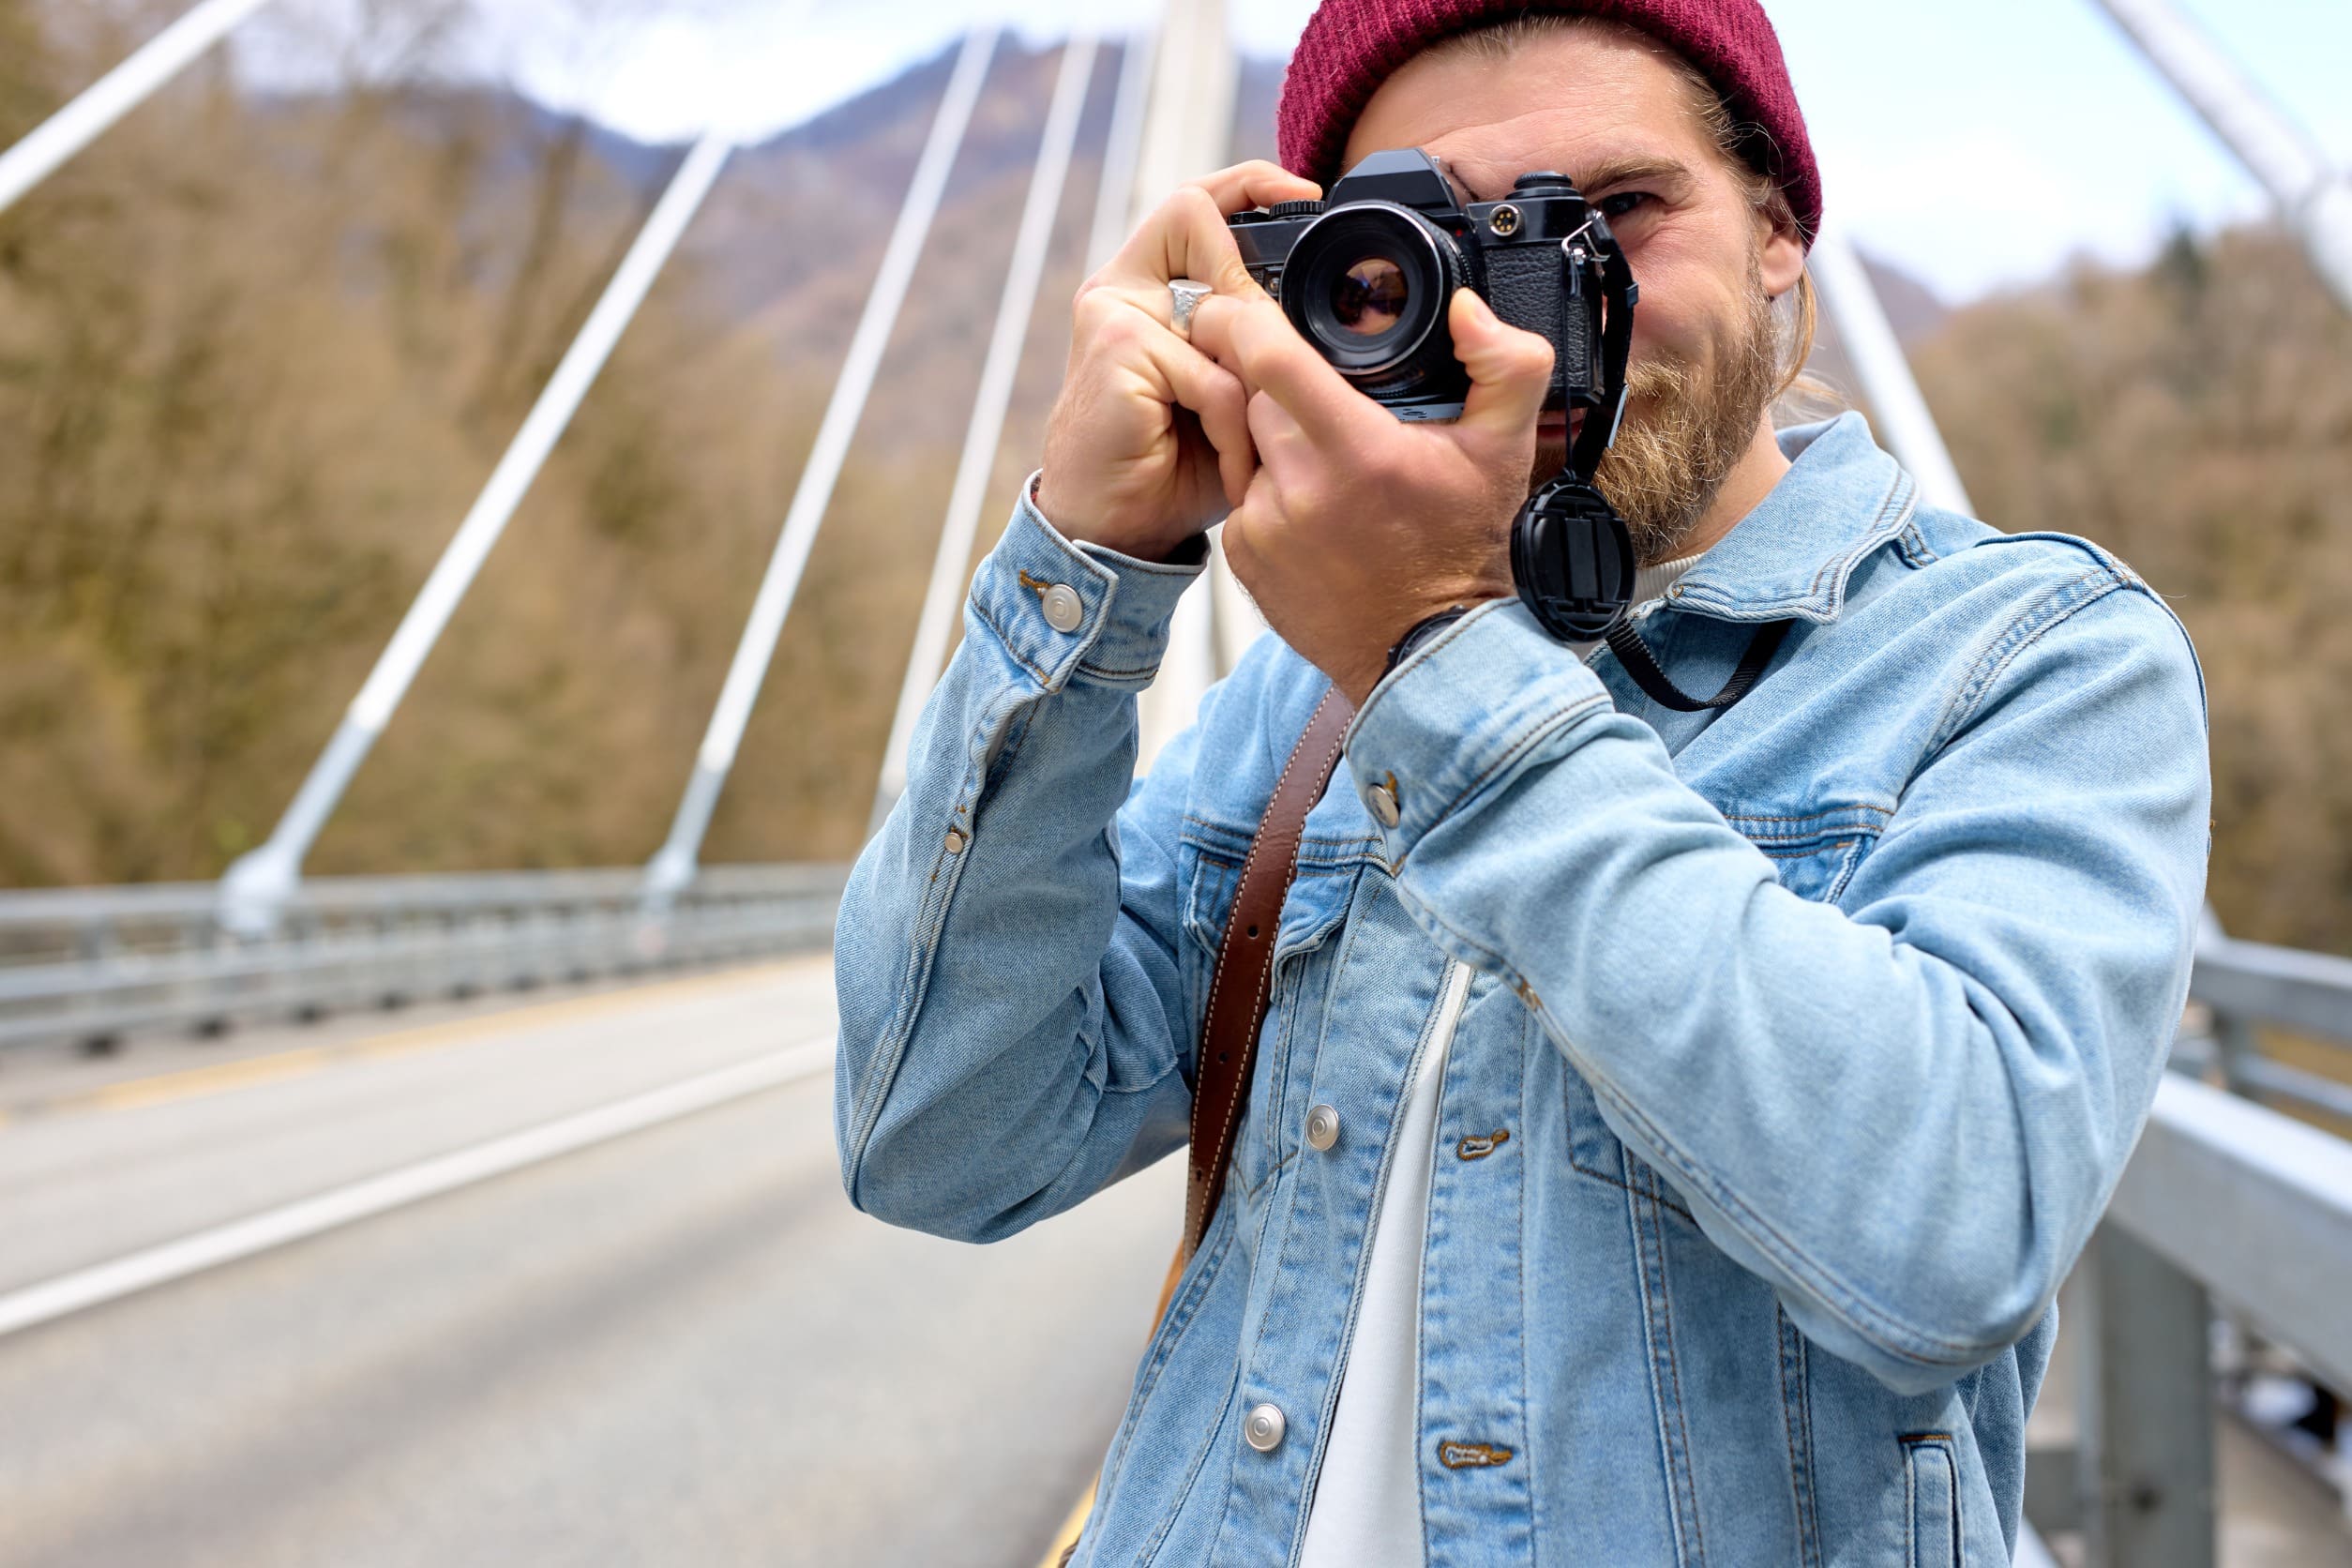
(1904, 1111)
(1004, 963)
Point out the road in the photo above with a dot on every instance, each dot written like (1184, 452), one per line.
(677, 1346)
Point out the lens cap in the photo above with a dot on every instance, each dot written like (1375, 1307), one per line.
(1572, 559)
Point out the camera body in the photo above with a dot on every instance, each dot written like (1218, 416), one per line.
(1366, 275)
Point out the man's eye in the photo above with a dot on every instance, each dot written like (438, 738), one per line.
(1618, 205)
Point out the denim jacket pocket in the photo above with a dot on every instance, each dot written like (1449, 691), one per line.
(1320, 896)
(1816, 852)
(1211, 875)
(1931, 1494)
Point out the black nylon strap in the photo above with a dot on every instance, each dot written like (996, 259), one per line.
(1642, 664)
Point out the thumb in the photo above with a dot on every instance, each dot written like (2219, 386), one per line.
(1510, 369)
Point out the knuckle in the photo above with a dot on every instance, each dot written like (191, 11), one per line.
(1089, 306)
(1118, 329)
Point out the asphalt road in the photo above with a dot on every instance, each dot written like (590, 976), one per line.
(679, 1345)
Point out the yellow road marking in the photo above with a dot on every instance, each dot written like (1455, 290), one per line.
(1071, 1526)
(219, 1077)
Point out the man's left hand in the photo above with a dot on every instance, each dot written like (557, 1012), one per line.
(1355, 524)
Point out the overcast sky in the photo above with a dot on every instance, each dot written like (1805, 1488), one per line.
(1977, 145)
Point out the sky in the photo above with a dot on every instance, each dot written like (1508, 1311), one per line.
(1977, 147)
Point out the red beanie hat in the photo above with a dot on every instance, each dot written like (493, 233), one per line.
(1350, 46)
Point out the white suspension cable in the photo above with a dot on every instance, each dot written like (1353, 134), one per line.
(1868, 337)
(259, 883)
(55, 139)
(673, 866)
(1114, 189)
(2312, 192)
(1188, 132)
(950, 567)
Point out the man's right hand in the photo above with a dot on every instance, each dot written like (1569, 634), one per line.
(1148, 442)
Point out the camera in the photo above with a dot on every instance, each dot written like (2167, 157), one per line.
(1365, 276)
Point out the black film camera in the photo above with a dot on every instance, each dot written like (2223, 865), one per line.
(1365, 277)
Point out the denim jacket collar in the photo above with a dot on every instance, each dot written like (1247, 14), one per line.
(1793, 555)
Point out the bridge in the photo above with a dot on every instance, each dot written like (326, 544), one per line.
(495, 1216)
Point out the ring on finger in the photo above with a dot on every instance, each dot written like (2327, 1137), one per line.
(1186, 295)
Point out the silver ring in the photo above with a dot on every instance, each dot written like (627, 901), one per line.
(1187, 295)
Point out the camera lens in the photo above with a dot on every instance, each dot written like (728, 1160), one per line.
(1370, 296)
(1366, 283)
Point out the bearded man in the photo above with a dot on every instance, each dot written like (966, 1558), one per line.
(1670, 1129)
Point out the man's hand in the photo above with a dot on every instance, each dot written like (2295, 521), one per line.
(1355, 524)
(1123, 466)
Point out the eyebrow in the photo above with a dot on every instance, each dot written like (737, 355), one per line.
(1605, 174)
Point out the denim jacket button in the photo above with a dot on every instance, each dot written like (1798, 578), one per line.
(1382, 800)
(955, 841)
(1064, 609)
(1322, 1127)
(1264, 1428)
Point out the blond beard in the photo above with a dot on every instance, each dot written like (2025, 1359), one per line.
(1684, 432)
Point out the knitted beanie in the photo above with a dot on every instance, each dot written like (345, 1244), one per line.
(1350, 46)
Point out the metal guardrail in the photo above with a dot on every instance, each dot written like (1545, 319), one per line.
(2227, 1203)
(90, 965)
(2228, 1206)
(2241, 985)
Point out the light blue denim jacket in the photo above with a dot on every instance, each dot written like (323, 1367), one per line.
(1804, 1043)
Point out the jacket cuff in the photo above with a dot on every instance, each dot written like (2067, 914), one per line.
(1460, 712)
(1117, 628)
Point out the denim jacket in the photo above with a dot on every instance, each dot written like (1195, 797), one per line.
(1803, 1042)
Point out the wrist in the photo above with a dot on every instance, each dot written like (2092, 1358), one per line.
(1066, 518)
(1422, 631)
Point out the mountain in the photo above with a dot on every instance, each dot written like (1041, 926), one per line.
(257, 355)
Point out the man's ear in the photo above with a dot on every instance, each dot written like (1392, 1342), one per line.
(1784, 259)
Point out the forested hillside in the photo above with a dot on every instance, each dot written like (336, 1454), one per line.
(256, 356)
(2196, 417)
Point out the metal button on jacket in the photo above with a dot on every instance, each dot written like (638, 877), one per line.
(955, 841)
(1322, 1127)
(1382, 800)
(1264, 1428)
(1064, 609)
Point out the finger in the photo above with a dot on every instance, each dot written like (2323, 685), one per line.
(1102, 302)
(1217, 398)
(1247, 526)
(1253, 339)
(1275, 434)
(1256, 183)
(1185, 235)
(1510, 369)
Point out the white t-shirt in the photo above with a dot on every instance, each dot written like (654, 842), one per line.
(1366, 1511)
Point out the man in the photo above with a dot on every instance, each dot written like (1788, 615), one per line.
(1670, 1129)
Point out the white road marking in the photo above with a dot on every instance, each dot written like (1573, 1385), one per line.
(375, 1194)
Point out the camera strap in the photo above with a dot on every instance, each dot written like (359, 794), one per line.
(1572, 556)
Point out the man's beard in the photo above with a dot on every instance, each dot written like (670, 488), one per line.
(1685, 430)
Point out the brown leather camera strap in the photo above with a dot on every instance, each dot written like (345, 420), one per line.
(1239, 989)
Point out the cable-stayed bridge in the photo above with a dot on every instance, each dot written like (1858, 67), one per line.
(568, 1276)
